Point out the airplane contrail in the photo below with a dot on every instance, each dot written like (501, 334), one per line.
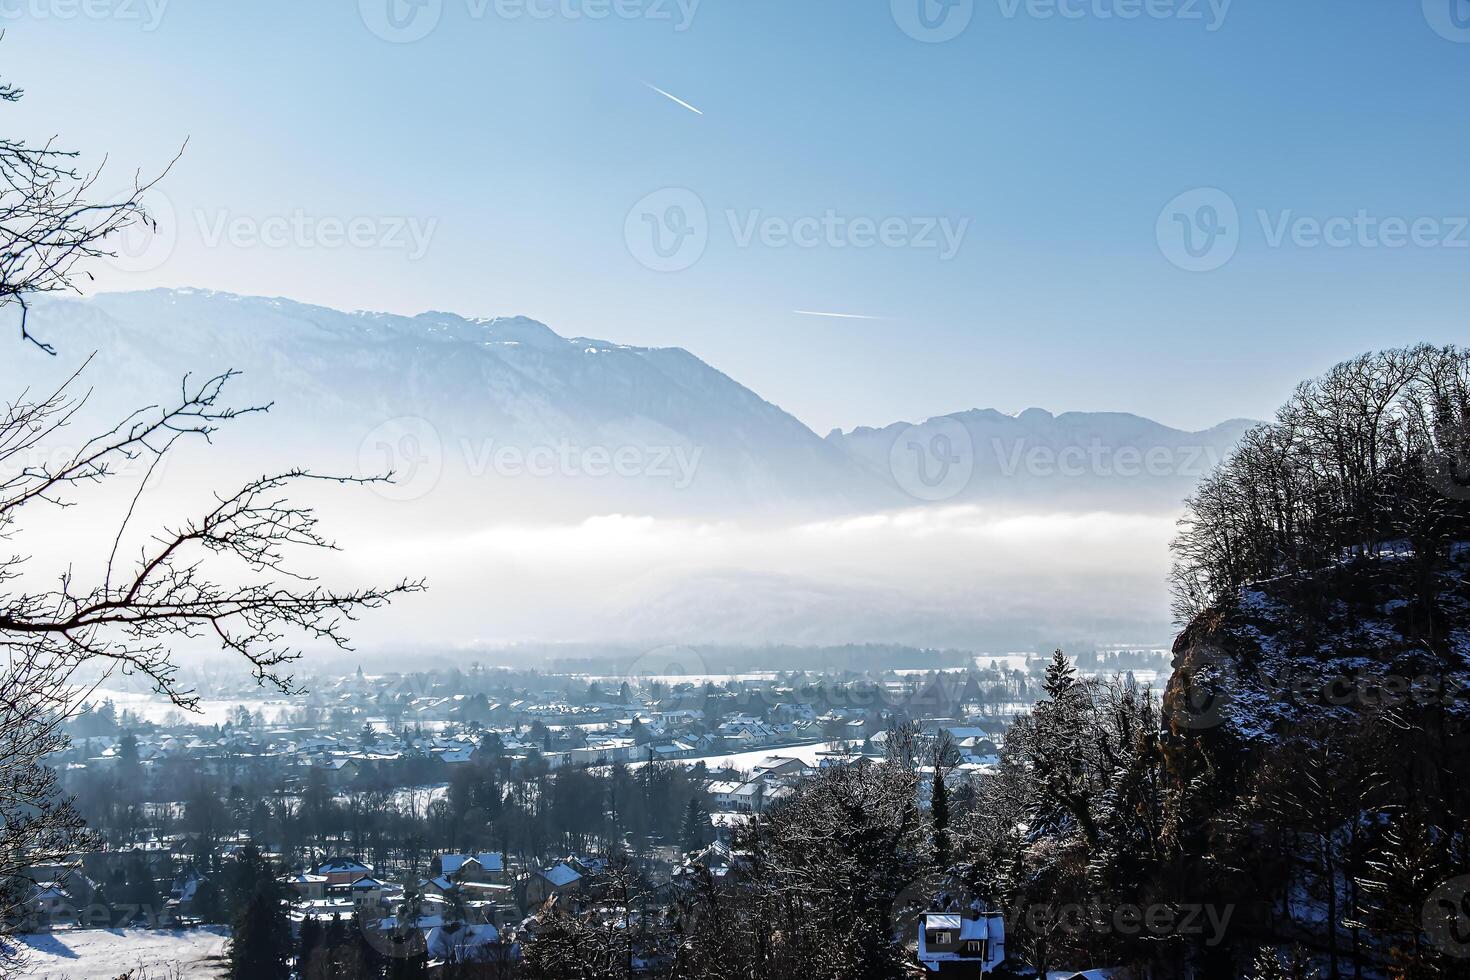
(840, 316)
(674, 98)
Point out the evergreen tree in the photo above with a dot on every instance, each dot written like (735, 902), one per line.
(261, 946)
(695, 832)
(1406, 867)
(209, 903)
(1061, 677)
(129, 770)
(307, 943)
(939, 813)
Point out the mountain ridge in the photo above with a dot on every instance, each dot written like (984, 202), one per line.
(476, 385)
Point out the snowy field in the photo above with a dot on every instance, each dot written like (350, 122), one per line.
(808, 753)
(84, 954)
(676, 679)
(412, 800)
(212, 711)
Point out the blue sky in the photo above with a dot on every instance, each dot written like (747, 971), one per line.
(518, 147)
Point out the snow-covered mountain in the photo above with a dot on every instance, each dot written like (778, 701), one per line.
(507, 412)
(526, 417)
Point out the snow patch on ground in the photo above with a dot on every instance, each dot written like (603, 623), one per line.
(85, 954)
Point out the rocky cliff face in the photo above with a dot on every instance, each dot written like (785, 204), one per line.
(1335, 704)
(1317, 752)
(1382, 632)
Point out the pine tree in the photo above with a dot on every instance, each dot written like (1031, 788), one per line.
(209, 905)
(1061, 677)
(413, 966)
(695, 832)
(1404, 870)
(1056, 744)
(260, 948)
(307, 943)
(939, 812)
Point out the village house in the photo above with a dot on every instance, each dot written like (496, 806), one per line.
(541, 884)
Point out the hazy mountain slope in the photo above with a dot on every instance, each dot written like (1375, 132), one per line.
(737, 522)
(506, 414)
(1105, 460)
(526, 416)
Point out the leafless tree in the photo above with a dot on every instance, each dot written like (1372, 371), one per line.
(50, 220)
(224, 575)
(1376, 451)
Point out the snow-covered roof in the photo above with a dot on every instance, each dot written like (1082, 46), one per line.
(459, 941)
(492, 862)
(340, 866)
(560, 875)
